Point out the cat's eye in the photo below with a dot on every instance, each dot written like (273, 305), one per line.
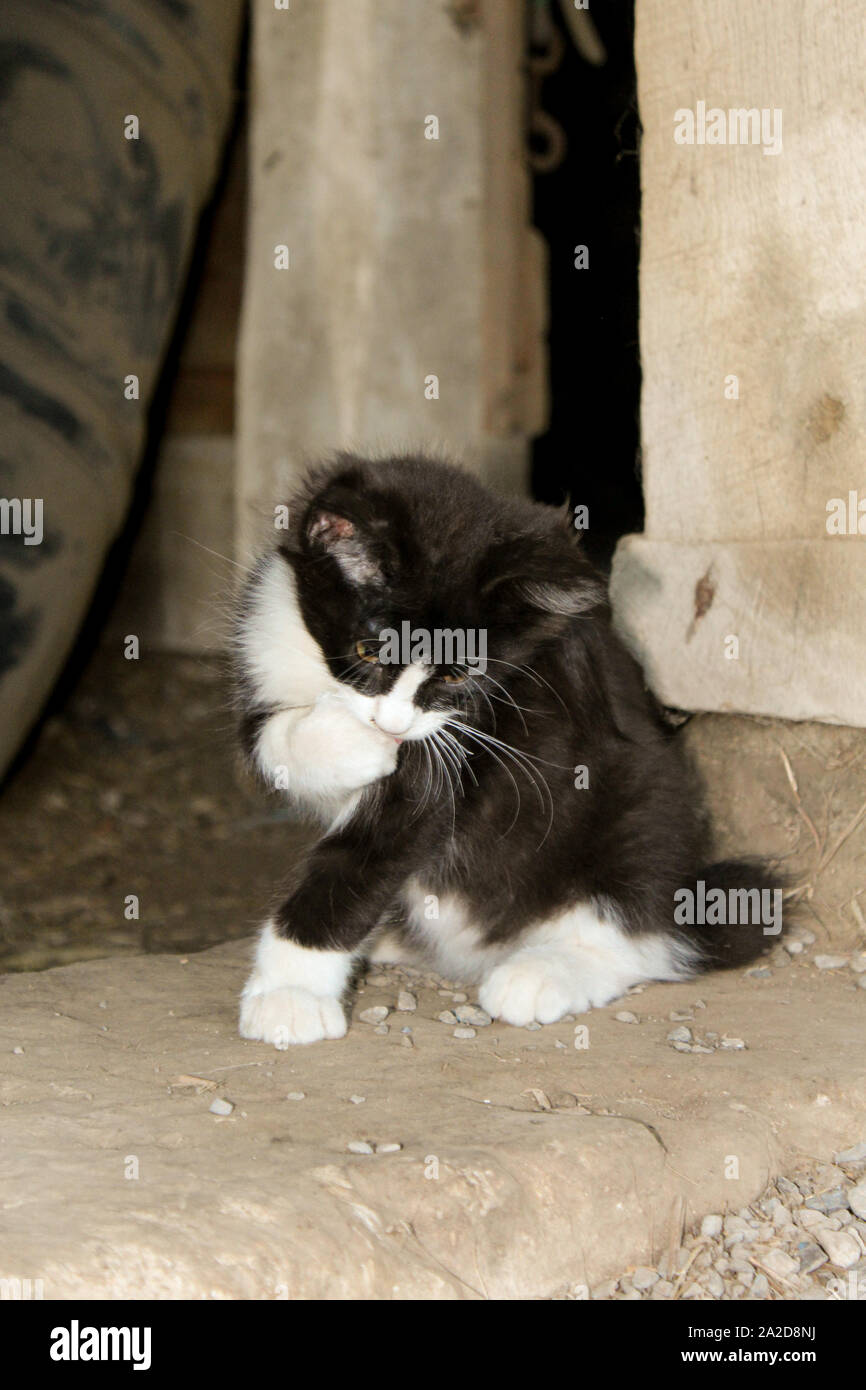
(455, 675)
(367, 651)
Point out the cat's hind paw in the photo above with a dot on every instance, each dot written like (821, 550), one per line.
(531, 987)
(291, 1015)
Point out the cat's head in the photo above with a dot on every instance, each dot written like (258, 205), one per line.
(426, 592)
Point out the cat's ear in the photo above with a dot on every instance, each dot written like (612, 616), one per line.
(547, 579)
(339, 536)
(570, 599)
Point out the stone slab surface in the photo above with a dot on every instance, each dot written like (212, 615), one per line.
(105, 1071)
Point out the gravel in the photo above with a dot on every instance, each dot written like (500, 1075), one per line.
(799, 1241)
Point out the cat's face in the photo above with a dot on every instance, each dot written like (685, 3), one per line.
(422, 603)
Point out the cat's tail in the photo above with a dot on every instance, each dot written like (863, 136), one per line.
(732, 913)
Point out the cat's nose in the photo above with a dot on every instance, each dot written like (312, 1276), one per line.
(393, 717)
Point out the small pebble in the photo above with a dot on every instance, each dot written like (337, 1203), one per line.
(625, 1016)
(663, 1289)
(858, 963)
(381, 1029)
(711, 1226)
(760, 1287)
(834, 1200)
(830, 962)
(794, 948)
(732, 1044)
(680, 1016)
(605, 1290)
(780, 1264)
(296, 1095)
(857, 1200)
(811, 1256)
(473, 1014)
(18, 1051)
(681, 1034)
(760, 973)
(218, 1106)
(406, 1002)
(681, 1046)
(464, 1033)
(357, 1100)
(359, 1146)
(447, 1016)
(374, 1015)
(842, 1247)
(644, 1277)
(389, 1148)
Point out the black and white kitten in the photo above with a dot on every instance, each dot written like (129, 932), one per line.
(518, 815)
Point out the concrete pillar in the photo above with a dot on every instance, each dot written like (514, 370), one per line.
(740, 595)
(387, 159)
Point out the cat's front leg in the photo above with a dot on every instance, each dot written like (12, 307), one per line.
(306, 953)
(294, 992)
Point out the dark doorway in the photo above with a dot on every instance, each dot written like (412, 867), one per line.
(590, 454)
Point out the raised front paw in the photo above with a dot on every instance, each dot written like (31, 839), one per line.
(358, 752)
(291, 1015)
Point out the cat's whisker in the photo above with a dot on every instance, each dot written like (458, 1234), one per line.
(509, 699)
(460, 751)
(438, 752)
(533, 675)
(245, 569)
(449, 757)
(519, 758)
(465, 729)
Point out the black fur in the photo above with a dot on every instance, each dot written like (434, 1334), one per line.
(517, 840)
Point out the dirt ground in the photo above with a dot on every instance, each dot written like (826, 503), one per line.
(135, 789)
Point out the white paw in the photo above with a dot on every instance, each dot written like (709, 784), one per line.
(291, 1015)
(358, 752)
(533, 986)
